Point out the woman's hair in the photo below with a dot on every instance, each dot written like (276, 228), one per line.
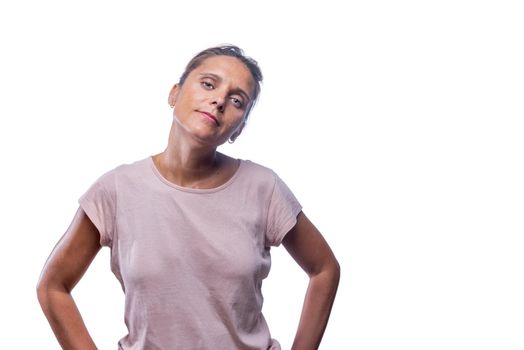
(232, 51)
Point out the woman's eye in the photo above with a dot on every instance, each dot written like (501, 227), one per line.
(207, 85)
(236, 102)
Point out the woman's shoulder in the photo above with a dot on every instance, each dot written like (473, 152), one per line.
(248, 165)
(256, 166)
(124, 169)
(256, 171)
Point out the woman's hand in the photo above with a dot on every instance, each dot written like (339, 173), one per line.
(65, 266)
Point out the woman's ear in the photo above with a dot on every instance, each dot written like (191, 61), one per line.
(238, 131)
(173, 95)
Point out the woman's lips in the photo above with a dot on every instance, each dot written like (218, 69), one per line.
(210, 116)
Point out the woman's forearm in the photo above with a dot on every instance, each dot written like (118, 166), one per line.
(65, 319)
(318, 302)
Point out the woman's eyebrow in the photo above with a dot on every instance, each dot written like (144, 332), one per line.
(214, 76)
(241, 92)
(237, 90)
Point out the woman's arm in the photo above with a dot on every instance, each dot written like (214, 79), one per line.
(309, 249)
(65, 266)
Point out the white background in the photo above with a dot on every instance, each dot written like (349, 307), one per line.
(397, 124)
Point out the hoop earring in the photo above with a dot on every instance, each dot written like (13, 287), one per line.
(230, 141)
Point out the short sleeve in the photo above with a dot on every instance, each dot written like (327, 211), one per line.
(282, 213)
(99, 203)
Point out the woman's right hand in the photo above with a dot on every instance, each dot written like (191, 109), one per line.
(63, 269)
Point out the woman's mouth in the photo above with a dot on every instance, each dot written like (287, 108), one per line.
(210, 116)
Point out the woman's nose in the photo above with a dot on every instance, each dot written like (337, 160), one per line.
(219, 102)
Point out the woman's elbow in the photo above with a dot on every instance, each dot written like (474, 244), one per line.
(42, 294)
(44, 290)
(330, 268)
(335, 269)
(331, 272)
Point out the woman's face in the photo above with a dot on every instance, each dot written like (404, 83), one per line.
(212, 102)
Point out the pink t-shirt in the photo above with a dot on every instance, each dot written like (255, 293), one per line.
(191, 261)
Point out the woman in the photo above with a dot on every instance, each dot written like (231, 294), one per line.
(190, 230)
